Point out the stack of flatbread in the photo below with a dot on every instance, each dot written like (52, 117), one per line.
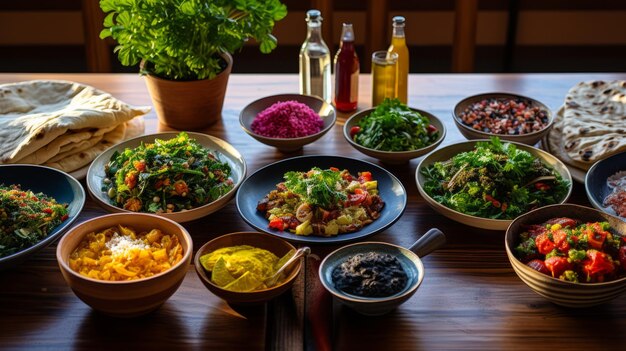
(62, 124)
(591, 125)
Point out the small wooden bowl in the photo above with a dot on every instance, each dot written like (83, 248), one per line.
(471, 133)
(560, 292)
(268, 242)
(125, 298)
(325, 110)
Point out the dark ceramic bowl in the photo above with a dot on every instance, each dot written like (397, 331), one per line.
(52, 182)
(471, 133)
(409, 260)
(595, 180)
(270, 243)
(325, 110)
(393, 157)
(558, 291)
(260, 183)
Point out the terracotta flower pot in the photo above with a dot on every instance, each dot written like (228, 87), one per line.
(189, 105)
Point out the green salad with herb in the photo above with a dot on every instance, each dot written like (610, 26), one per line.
(393, 126)
(166, 176)
(26, 218)
(496, 180)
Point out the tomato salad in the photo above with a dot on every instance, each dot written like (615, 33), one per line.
(574, 251)
(322, 202)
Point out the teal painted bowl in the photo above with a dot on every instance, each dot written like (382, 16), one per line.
(409, 260)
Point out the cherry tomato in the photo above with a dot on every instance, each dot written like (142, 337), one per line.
(356, 199)
(557, 265)
(542, 186)
(544, 245)
(365, 177)
(354, 131)
(493, 201)
(597, 265)
(140, 165)
(277, 223)
(431, 129)
(560, 240)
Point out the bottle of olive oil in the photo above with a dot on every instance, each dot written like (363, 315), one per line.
(398, 45)
(315, 60)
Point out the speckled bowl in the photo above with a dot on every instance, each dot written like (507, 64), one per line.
(325, 110)
(409, 260)
(471, 133)
(393, 157)
(595, 180)
(132, 297)
(264, 241)
(561, 292)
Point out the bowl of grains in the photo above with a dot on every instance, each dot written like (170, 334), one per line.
(125, 264)
(508, 116)
(287, 121)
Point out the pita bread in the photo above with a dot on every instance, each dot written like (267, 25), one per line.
(593, 124)
(35, 114)
(82, 158)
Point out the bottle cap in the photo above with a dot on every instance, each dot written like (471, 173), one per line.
(313, 15)
(398, 20)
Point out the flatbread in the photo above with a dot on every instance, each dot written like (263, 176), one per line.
(80, 159)
(593, 124)
(34, 114)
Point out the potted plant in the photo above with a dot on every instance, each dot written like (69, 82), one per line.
(184, 47)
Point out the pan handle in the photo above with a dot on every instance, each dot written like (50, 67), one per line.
(429, 242)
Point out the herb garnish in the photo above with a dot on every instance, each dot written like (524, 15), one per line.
(393, 126)
(317, 187)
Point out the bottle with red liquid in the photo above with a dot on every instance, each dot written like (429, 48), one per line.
(346, 72)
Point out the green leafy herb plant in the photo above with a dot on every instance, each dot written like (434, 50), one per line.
(184, 39)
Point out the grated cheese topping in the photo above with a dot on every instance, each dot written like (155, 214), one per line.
(122, 245)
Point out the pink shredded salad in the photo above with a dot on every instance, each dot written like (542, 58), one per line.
(288, 119)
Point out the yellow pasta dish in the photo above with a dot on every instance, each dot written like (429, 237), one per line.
(120, 253)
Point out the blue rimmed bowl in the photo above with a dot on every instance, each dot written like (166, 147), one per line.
(54, 183)
(409, 260)
(595, 181)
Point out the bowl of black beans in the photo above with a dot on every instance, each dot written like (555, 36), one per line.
(373, 278)
(508, 116)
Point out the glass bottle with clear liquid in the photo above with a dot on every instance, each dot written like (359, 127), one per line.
(398, 46)
(315, 60)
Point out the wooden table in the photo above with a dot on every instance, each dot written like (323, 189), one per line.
(470, 297)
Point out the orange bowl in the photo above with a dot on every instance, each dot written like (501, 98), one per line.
(125, 298)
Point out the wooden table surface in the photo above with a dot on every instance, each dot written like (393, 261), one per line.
(469, 299)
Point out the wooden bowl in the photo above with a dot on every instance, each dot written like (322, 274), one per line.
(452, 150)
(471, 133)
(125, 298)
(268, 242)
(564, 293)
(393, 157)
(325, 110)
